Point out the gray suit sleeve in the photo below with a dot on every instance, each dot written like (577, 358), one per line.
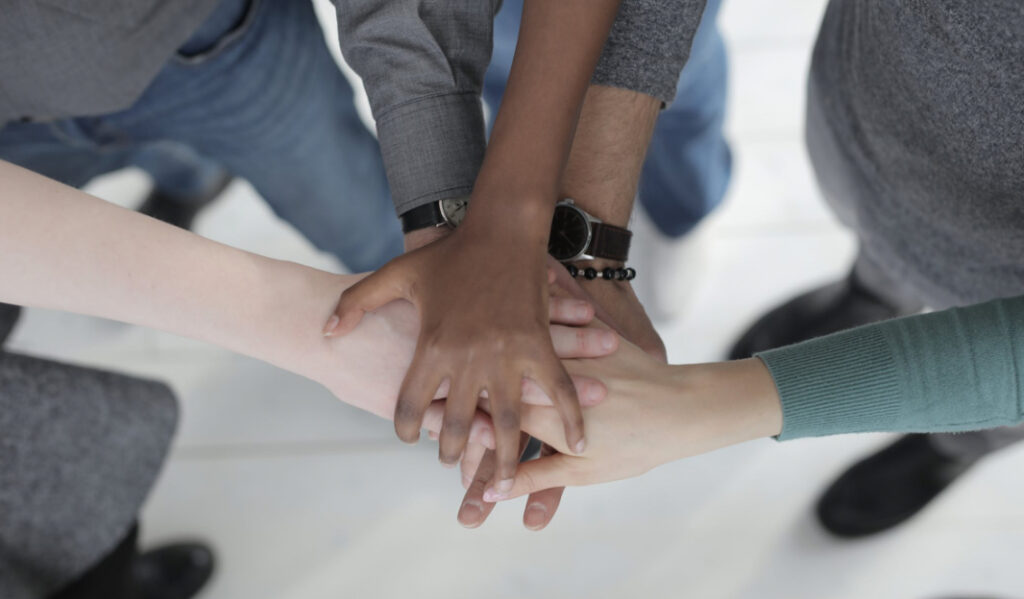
(423, 63)
(649, 45)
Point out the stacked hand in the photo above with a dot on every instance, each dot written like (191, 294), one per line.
(482, 299)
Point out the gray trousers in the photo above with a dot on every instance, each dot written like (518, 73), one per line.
(843, 186)
(79, 451)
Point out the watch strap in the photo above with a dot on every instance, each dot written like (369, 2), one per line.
(609, 242)
(422, 217)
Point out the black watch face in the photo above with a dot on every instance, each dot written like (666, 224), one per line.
(570, 233)
(454, 210)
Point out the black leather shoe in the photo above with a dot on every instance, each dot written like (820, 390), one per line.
(887, 488)
(835, 307)
(181, 212)
(8, 318)
(177, 571)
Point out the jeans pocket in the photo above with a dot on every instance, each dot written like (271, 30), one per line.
(226, 25)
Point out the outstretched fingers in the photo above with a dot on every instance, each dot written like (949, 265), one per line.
(414, 397)
(555, 382)
(535, 476)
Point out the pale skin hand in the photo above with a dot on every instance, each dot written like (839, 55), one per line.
(65, 250)
(654, 414)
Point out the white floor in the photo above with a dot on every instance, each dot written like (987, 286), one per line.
(305, 498)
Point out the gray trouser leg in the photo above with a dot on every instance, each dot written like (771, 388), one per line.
(8, 318)
(80, 449)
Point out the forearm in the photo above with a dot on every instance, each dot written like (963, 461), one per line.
(603, 172)
(559, 44)
(63, 249)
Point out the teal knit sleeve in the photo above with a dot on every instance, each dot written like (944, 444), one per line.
(956, 370)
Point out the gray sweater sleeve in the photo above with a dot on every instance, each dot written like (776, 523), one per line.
(423, 63)
(648, 46)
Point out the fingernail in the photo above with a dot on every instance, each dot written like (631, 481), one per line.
(449, 465)
(487, 438)
(581, 445)
(470, 513)
(332, 323)
(582, 309)
(466, 481)
(535, 516)
(607, 341)
(499, 491)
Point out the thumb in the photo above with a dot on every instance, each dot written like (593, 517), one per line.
(537, 475)
(372, 292)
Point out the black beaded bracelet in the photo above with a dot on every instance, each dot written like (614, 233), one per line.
(608, 274)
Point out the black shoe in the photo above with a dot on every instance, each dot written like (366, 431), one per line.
(835, 307)
(887, 488)
(8, 318)
(181, 212)
(173, 571)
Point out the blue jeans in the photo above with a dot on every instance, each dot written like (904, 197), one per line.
(688, 164)
(254, 92)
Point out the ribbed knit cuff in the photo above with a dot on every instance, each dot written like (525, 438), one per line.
(842, 383)
(432, 147)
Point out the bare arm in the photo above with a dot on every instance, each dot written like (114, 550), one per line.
(63, 249)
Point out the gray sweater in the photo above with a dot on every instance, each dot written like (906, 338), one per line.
(925, 101)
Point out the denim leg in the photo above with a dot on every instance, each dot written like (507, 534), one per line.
(58, 151)
(273, 107)
(62, 152)
(177, 170)
(689, 163)
(506, 34)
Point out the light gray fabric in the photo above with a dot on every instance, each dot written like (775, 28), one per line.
(79, 451)
(423, 64)
(915, 122)
(924, 101)
(85, 57)
(648, 46)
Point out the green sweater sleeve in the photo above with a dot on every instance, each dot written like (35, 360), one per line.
(956, 370)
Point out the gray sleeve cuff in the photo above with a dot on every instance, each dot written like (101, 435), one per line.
(648, 46)
(432, 148)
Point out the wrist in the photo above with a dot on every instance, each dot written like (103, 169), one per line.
(721, 404)
(522, 222)
(423, 237)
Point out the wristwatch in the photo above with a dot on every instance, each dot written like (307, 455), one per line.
(577, 235)
(448, 212)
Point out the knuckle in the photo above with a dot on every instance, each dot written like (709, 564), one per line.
(506, 419)
(406, 411)
(583, 339)
(455, 428)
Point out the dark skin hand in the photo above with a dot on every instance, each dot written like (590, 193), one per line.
(482, 292)
(602, 176)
